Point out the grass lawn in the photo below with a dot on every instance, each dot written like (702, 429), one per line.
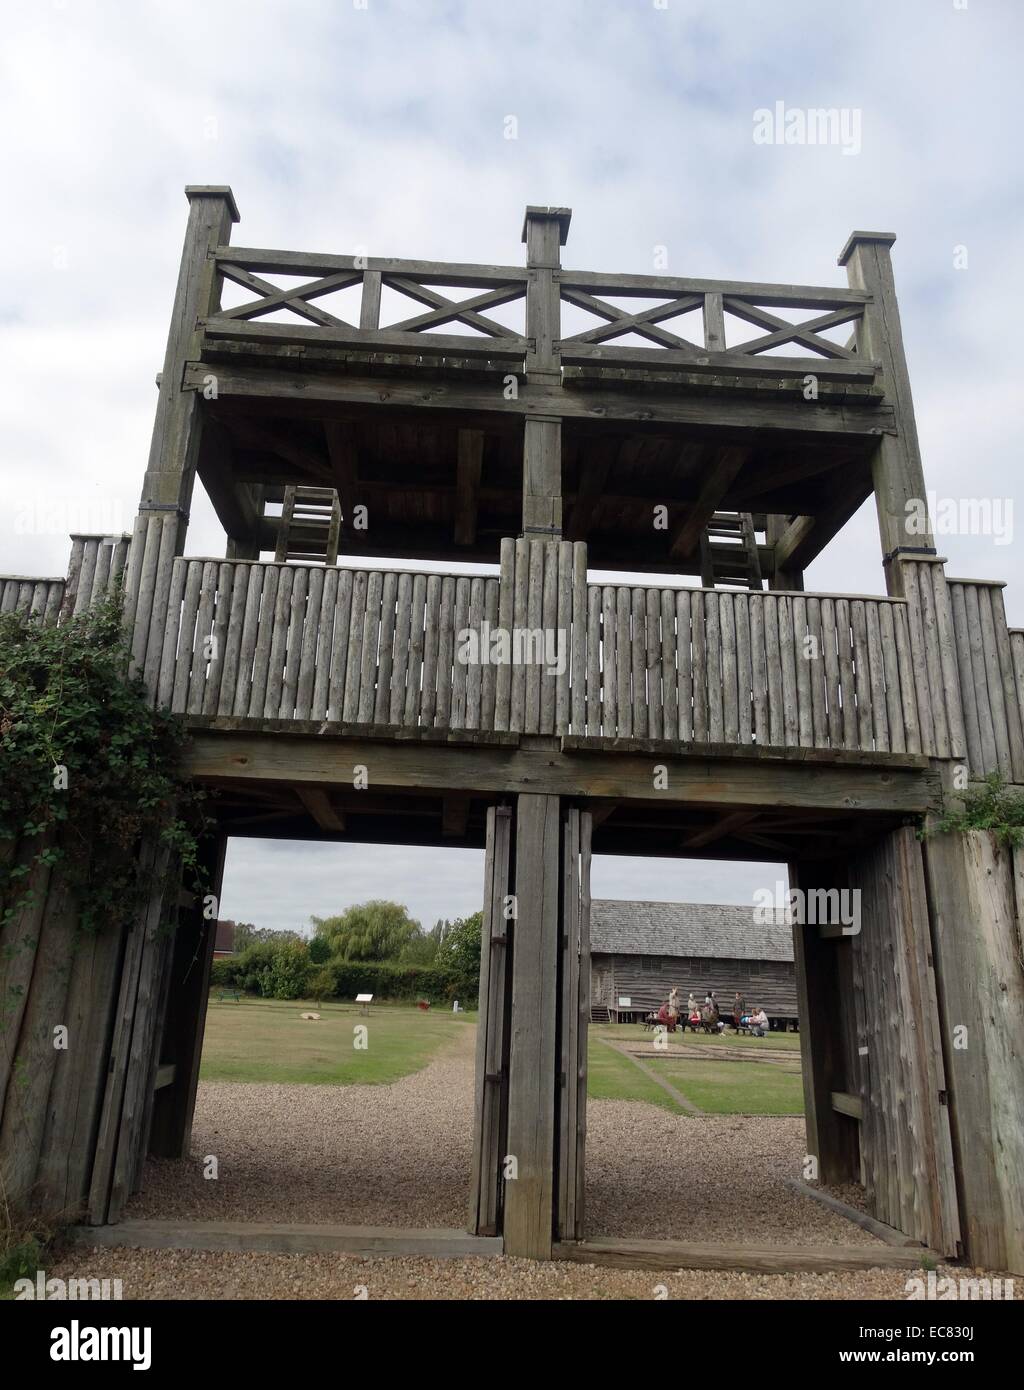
(734, 1088)
(266, 1040)
(611, 1076)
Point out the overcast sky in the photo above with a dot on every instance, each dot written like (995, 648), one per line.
(382, 125)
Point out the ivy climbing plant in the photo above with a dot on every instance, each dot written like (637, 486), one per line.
(88, 770)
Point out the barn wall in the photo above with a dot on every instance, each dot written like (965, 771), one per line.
(769, 983)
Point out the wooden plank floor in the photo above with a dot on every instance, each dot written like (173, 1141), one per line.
(285, 1238)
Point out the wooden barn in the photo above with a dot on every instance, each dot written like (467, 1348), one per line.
(638, 951)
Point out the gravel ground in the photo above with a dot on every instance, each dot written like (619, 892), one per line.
(399, 1155)
(185, 1274)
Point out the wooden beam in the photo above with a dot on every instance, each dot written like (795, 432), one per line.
(252, 377)
(847, 1104)
(288, 1238)
(318, 804)
(723, 468)
(806, 537)
(725, 825)
(164, 1076)
(753, 1259)
(261, 436)
(860, 1218)
(697, 777)
(455, 815)
(344, 463)
(469, 467)
(594, 466)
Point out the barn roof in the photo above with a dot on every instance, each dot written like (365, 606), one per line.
(685, 929)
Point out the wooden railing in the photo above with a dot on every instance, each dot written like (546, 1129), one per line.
(539, 344)
(419, 651)
(771, 670)
(308, 642)
(96, 569)
(990, 663)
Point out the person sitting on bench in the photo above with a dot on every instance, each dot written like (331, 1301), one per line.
(758, 1022)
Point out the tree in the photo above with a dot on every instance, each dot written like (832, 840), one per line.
(459, 950)
(377, 930)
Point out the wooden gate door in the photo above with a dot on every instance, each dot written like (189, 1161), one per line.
(906, 1146)
(490, 1116)
(574, 1011)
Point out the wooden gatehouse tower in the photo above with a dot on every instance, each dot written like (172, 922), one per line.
(519, 419)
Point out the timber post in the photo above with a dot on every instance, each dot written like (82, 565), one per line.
(897, 469)
(174, 449)
(544, 231)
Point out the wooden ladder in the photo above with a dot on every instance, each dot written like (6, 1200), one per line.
(310, 523)
(728, 552)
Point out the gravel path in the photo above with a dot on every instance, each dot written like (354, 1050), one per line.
(185, 1274)
(399, 1155)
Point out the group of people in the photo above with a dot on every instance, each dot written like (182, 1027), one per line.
(709, 1014)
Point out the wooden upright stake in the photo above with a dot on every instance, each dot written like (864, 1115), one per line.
(897, 470)
(530, 1194)
(544, 232)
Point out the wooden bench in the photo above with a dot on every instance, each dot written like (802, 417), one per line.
(235, 994)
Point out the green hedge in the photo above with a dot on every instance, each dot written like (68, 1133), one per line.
(285, 972)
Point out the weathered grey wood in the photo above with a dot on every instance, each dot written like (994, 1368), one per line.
(876, 672)
(270, 625)
(844, 635)
(446, 655)
(203, 634)
(891, 673)
(947, 661)
(655, 672)
(247, 643)
(759, 673)
(926, 696)
(593, 671)
(730, 703)
(289, 1239)
(867, 1223)
(623, 662)
(339, 655)
(186, 639)
(774, 669)
(787, 661)
(534, 621)
(506, 595)
(580, 612)
(747, 1258)
(226, 574)
(233, 645)
(520, 609)
(172, 623)
(908, 686)
(488, 686)
(609, 664)
(307, 655)
(368, 666)
(277, 615)
(994, 681)
(529, 1200)
(325, 643)
(353, 666)
(549, 624)
(976, 650)
(403, 638)
(1010, 689)
(474, 672)
(460, 669)
(431, 647)
(802, 659)
(699, 667)
(638, 662)
(816, 672)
